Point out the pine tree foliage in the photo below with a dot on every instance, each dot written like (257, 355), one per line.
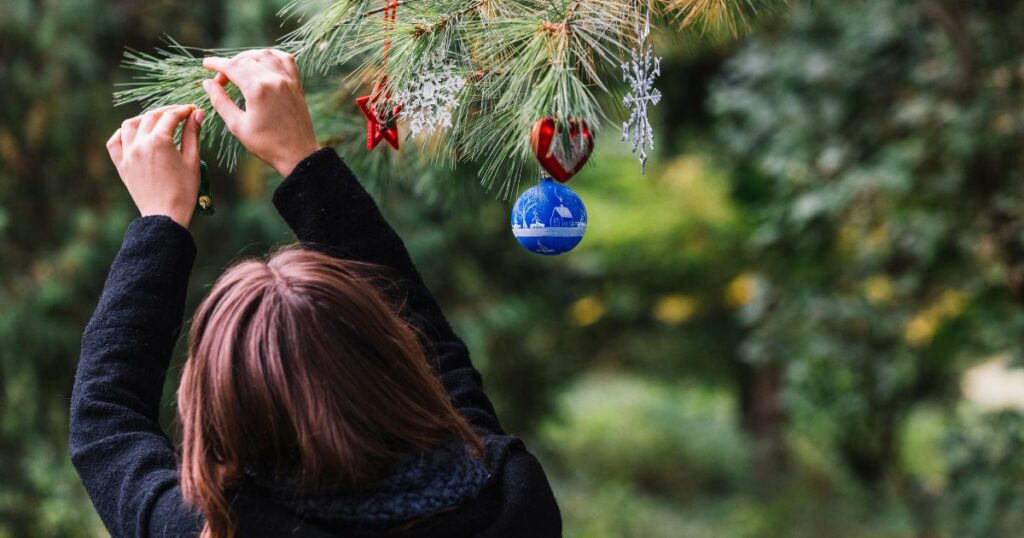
(722, 16)
(520, 60)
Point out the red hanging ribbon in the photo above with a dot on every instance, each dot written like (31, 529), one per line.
(376, 105)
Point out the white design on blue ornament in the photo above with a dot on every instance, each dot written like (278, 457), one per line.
(549, 218)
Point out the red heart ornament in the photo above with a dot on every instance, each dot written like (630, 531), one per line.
(551, 152)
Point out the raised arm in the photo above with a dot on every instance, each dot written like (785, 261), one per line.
(126, 462)
(329, 210)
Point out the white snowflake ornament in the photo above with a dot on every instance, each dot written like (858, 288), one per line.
(640, 73)
(428, 99)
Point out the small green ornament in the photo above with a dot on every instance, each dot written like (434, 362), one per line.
(204, 203)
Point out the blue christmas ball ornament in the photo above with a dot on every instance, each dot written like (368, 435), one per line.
(549, 218)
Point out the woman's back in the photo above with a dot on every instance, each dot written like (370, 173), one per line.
(315, 402)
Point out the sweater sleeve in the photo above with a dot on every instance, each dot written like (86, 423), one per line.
(329, 210)
(126, 462)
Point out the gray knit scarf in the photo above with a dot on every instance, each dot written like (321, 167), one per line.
(418, 485)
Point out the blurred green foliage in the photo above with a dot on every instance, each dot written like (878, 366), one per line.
(886, 138)
(623, 429)
(770, 334)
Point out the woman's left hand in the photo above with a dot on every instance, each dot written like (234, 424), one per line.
(275, 125)
(161, 179)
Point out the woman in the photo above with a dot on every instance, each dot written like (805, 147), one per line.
(310, 404)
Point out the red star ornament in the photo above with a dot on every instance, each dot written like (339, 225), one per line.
(376, 128)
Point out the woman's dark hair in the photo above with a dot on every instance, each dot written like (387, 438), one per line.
(300, 370)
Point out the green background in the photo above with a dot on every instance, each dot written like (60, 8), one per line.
(804, 320)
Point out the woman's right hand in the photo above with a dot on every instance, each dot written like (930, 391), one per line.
(275, 125)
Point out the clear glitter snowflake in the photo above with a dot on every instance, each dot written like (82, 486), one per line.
(640, 73)
(428, 99)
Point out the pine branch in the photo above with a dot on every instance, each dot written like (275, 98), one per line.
(721, 16)
(174, 76)
(520, 59)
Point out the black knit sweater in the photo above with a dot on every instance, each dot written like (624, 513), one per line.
(130, 467)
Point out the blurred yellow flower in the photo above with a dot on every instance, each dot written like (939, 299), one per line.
(920, 330)
(741, 290)
(586, 311)
(951, 303)
(9, 151)
(922, 327)
(37, 122)
(878, 289)
(675, 308)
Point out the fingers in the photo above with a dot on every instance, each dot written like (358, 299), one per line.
(114, 148)
(223, 104)
(246, 68)
(170, 118)
(190, 137)
(161, 121)
(268, 59)
(150, 119)
(216, 63)
(243, 71)
(287, 61)
(271, 62)
(128, 130)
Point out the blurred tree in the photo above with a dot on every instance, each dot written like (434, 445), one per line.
(62, 213)
(985, 474)
(818, 275)
(642, 291)
(878, 146)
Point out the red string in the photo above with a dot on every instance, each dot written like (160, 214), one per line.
(390, 10)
